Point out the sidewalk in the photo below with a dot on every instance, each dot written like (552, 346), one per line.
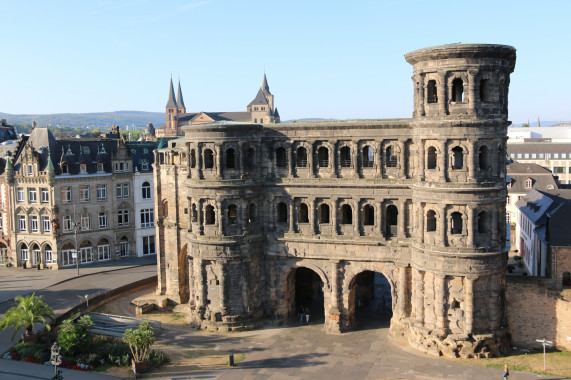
(18, 281)
(14, 370)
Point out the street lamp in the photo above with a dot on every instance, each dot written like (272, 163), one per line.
(76, 227)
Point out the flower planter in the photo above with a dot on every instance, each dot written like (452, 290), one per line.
(140, 367)
(32, 338)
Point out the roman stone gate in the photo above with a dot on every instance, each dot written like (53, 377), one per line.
(402, 216)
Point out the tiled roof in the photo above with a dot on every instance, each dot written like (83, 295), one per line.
(542, 179)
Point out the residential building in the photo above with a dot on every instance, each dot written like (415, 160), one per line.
(555, 156)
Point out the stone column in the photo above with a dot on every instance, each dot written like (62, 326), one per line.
(469, 304)
(219, 217)
(419, 304)
(356, 213)
(402, 158)
(379, 218)
(495, 162)
(421, 94)
(421, 218)
(442, 226)
(494, 225)
(334, 215)
(402, 292)
(401, 219)
(421, 163)
(223, 293)
(471, 159)
(442, 160)
(218, 161)
(310, 172)
(201, 216)
(291, 216)
(290, 161)
(378, 159)
(334, 312)
(240, 159)
(203, 284)
(470, 226)
(472, 91)
(355, 158)
(312, 214)
(442, 96)
(439, 301)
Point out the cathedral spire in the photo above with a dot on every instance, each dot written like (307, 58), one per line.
(171, 102)
(265, 86)
(179, 99)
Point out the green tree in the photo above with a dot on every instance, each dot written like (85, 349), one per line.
(140, 340)
(30, 310)
(75, 338)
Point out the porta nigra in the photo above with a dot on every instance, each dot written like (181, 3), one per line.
(256, 221)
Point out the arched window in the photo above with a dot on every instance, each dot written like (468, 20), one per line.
(484, 157)
(431, 158)
(430, 221)
(48, 254)
(194, 214)
(368, 157)
(323, 157)
(301, 157)
(368, 215)
(457, 90)
(390, 157)
(250, 158)
(252, 213)
(193, 158)
(528, 183)
(281, 158)
(232, 214)
(146, 190)
(432, 94)
(302, 213)
(346, 214)
(24, 253)
(282, 212)
(484, 223)
(209, 216)
(392, 220)
(456, 223)
(324, 213)
(230, 159)
(484, 90)
(457, 157)
(208, 159)
(345, 154)
(103, 251)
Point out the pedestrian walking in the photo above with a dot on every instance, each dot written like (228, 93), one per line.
(307, 315)
(506, 373)
(300, 314)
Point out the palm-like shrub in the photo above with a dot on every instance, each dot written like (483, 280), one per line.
(75, 337)
(30, 310)
(140, 340)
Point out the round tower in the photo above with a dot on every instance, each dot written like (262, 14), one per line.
(459, 250)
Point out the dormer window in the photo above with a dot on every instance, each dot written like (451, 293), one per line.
(83, 168)
(100, 167)
(64, 169)
(144, 166)
(30, 170)
(85, 149)
(146, 150)
(528, 183)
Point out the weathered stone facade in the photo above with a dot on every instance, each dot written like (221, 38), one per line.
(253, 218)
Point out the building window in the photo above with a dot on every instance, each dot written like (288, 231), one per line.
(281, 158)
(457, 90)
(103, 252)
(391, 158)
(302, 213)
(67, 225)
(209, 217)
(83, 168)
(346, 214)
(30, 170)
(208, 159)
(84, 193)
(282, 212)
(124, 247)
(345, 156)
(431, 158)
(192, 159)
(559, 169)
(232, 214)
(100, 167)
(301, 159)
(22, 223)
(528, 183)
(64, 168)
(34, 224)
(368, 157)
(149, 245)
(85, 222)
(368, 215)
(125, 190)
(147, 217)
(20, 195)
(457, 158)
(48, 255)
(45, 195)
(66, 195)
(324, 217)
(67, 255)
(46, 224)
(24, 255)
(102, 220)
(123, 218)
(391, 220)
(484, 90)
(323, 157)
(230, 159)
(144, 166)
(456, 227)
(122, 190)
(146, 190)
(85, 253)
(432, 93)
(430, 221)
(101, 192)
(32, 195)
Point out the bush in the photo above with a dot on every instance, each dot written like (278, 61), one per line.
(88, 359)
(140, 340)
(26, 349)
(75, 338)
(112, 350)
(157, 358)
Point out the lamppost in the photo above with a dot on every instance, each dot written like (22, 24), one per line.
(76, 227)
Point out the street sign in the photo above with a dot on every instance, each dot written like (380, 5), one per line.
(545, 343)
(74, 255)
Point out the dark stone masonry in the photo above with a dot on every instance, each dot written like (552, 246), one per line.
(258, 220)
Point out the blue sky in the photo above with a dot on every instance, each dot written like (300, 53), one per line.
(329, 59)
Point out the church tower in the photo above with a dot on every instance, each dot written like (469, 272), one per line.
(172, 111)
(262, 107)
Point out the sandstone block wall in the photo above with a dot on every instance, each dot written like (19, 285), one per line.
(536, 311)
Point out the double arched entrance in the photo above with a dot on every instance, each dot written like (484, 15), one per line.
(365, 300)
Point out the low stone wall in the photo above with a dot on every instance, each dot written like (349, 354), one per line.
(536, 311)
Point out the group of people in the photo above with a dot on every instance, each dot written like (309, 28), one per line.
(303, 313)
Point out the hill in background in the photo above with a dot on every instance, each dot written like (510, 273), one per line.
(98, 120)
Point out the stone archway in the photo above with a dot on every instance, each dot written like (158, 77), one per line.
(305, 291)
(370, 301)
